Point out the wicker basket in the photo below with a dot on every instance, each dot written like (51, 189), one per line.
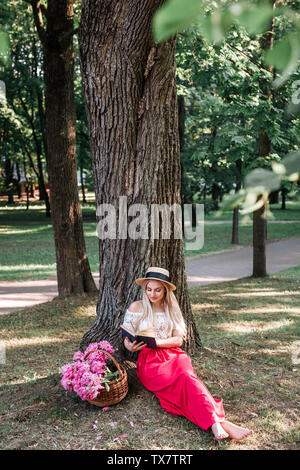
(117, 388)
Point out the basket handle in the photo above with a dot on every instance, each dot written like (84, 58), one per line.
(111, 357)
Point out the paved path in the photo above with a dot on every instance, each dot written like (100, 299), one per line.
(236, 264)
(201, 270)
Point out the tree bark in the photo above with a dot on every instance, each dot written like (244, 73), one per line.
(259, 216)
(73, 270)
(215, 190)
(82, 185)
(284, 192)
(235, 217)
(131, 104)
(259, 242)
(274, 197)
(9, 183)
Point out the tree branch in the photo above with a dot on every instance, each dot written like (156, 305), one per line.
(38, 11)
(258, 65)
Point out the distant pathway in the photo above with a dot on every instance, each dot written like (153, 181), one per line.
(237, 263)
(201, 270)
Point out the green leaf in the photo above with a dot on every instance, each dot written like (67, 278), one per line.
(263, 178)
(252, 203)
(232, 200)
(174, 16)
(255, 18)
(2, 92)
(278, 168)
(284, 52)
(4, 47)
(215, 26)
(284, 56)
(292, 165)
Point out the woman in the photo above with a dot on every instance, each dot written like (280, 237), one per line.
(167, 371)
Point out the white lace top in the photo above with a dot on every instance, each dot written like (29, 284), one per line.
(163, 328)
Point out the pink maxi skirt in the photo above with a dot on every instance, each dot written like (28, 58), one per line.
(168, 373)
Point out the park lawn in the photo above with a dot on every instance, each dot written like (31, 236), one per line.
(27, 245)
(248, 329)
(292, 212)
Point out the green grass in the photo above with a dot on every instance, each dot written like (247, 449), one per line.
(27, 245)
(217, 237)
(248, 328)
(292, 212)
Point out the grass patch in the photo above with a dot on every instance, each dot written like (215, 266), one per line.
(28, 252)
(248, 328)
(292, 212)
(217, 237)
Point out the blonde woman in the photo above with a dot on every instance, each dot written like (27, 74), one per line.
(167, 371)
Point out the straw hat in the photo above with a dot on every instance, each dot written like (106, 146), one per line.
(158, 274)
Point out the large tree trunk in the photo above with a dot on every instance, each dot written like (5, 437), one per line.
(131, 103)
(73, 270)
(235, 217)
(259, 216)
(284, 192)
(43, 194)
(259, 242)
(8, 183)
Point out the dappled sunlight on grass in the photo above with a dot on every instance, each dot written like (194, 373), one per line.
(29, 378)
(266, 310)
(253, 326)
(29, 267)
(90, 313)
(20, 342)
(246, 360)
(204, 306)
(276, 351)
(29, 230)
(276, 421)
(262, 294)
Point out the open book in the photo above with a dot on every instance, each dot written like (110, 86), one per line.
(147, 336)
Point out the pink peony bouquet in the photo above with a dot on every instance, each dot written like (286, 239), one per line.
(88, 376)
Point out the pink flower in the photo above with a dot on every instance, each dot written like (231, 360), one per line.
(113, 425)
(78, 355)
(83, 376)
(124, 436)
(105, 408)
(107, 347)
(91, 347)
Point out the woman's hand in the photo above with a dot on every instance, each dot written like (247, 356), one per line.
(173, 342)
(135, 346)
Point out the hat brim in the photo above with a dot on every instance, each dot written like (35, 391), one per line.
(142, 279)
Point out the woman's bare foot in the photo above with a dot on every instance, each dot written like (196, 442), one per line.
(234, 431)
(218, 431)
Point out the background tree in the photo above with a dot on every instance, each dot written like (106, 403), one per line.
(222, 88)
(73, 270)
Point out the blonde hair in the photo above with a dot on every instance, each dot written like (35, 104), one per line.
(171, 308)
